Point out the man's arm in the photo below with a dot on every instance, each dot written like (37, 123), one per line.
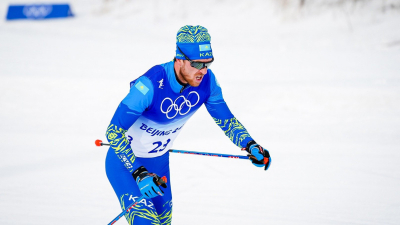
(221, 114)
(129, 110)
(232, 128)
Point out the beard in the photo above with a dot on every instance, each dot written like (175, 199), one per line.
(184, 74)
(186, 77)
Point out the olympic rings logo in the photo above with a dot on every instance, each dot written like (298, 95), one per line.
(37, 11)
(178, 109)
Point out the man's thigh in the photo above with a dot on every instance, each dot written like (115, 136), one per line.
(153, 211)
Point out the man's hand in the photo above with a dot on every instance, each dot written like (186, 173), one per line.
(149, 183)
(258, 155)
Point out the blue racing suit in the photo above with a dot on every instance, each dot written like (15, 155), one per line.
(144, 127)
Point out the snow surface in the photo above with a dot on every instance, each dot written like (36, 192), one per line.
(319, 87)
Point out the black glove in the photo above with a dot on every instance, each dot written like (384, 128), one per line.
(149, 183)
(258, 155)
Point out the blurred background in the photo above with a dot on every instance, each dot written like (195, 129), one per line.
(316, 82)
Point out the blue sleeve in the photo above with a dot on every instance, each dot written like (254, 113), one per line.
(129, 110)
(140, 95)
(221, 114)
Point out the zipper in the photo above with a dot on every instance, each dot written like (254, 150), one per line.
(183, 88)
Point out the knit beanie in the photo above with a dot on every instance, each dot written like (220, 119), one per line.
(194, 42)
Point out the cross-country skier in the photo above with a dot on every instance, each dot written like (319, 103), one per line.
(150, 117)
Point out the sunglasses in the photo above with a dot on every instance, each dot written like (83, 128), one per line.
(197, 65)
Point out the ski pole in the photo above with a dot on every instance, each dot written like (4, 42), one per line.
(131, 206)
(160, 181)
(209, 154)
(100, 143)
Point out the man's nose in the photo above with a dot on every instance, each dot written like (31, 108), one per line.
(203, 70)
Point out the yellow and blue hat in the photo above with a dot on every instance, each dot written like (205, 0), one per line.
(194, 42)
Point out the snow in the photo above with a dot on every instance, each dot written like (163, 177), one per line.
(318, 87)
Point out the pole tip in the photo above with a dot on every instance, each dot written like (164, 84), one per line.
(98, 142)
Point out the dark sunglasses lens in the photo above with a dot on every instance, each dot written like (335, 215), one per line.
(197, 65)
(200, 65)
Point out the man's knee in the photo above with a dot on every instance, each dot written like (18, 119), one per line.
(144, 213)
(166, 215)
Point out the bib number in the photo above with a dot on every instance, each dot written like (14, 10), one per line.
(158, 145)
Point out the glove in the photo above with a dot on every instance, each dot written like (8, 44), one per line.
(258, 155)
(149, 183)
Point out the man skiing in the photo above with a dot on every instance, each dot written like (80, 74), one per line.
(150, 117)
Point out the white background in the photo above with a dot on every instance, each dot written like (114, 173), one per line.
(319, 87)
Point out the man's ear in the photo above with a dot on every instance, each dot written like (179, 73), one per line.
(180, 62)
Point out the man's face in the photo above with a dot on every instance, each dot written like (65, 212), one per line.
(192, 75)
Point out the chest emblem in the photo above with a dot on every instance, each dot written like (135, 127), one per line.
(161, 83)
(181, 105)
